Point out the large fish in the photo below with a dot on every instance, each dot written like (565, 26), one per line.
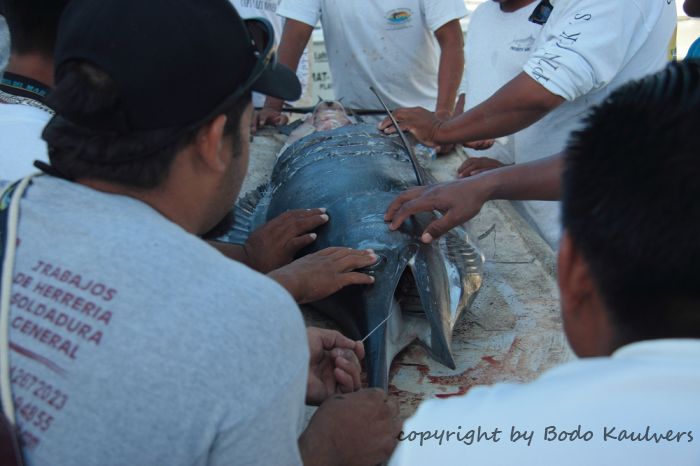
(354, 171)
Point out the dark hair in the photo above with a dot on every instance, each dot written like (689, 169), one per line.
(33, 24)
(90, 136)
(631, 203)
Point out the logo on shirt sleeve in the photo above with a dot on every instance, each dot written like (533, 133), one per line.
(399, 18)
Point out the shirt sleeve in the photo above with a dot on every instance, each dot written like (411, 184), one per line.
(440, 12)
(585, 46)
(305, 11)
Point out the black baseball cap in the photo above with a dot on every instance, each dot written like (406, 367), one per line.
(175, 62)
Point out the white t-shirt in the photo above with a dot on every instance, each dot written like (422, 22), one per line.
(268, 9)
(495, 50)
(587, 49)
(646, 389)
(390, 45)
(20, 140)
(135, 342)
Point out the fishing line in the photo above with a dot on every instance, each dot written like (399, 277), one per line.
(377, 327)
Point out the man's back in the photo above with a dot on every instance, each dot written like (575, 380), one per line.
(629, 402)
(131, 335)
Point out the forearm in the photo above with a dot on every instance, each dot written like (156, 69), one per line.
(288, 281)
(537, 180)
(294, 39)
(451, 66)
(236, 252)
(515, 106)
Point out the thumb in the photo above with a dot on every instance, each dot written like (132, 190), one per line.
(438, 228)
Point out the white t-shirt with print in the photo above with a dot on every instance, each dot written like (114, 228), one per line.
(496, 48)
(389, 44)
(20, 140)
(647, 388)
(587, 49)
(268, 9)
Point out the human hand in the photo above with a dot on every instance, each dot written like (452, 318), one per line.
(274, 244)
(422, 123)
(319, 275)
(458, 200)
(480, 145)
(355, 429)
(334, 364)
(475, 165)
(267, 116)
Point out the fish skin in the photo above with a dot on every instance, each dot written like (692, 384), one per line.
(355, 172)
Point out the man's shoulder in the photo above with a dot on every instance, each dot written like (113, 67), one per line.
(23, 114)
(576, 385)
(483, 8)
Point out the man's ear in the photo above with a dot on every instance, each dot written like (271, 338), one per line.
(586, 321)
(576, 285)
(209, 144)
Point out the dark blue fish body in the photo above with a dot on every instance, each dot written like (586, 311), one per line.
(355, 172)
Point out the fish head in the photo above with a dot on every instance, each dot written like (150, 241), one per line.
(329, 115)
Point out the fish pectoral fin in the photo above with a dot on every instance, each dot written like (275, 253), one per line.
(433, 284)
(244, 213)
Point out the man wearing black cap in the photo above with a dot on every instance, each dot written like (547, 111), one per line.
(134, 342)
(24, 113)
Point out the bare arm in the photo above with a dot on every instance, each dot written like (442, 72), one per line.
(517, 105)
(539, 180)
(462, 199)
(449, 36)
(233, 251)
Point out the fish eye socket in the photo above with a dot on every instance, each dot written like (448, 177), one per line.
(381, 260)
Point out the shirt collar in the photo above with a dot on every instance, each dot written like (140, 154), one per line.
(21, 90)
(673, 348)
(23, 86)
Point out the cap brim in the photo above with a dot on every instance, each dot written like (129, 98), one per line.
(280, 82)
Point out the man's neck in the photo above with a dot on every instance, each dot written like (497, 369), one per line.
(33, 66)
(179, 206)
(514, 5)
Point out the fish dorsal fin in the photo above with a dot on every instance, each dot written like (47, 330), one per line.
(248, 214)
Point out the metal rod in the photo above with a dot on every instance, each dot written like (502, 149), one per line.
(411, 155)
